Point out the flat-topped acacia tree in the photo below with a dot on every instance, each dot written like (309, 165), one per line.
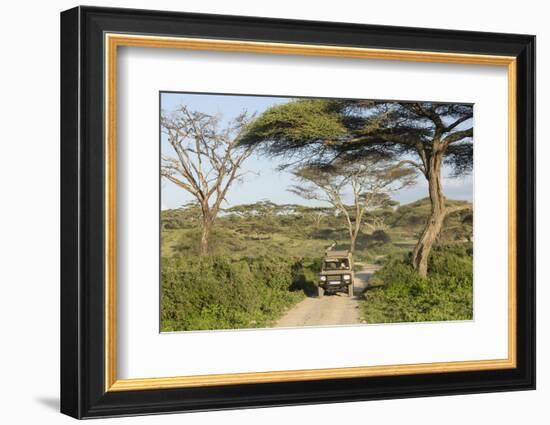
(423, 135)
(368, 182)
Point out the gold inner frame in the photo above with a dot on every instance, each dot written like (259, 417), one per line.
(113, 41)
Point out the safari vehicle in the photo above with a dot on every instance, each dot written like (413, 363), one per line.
(336, 272)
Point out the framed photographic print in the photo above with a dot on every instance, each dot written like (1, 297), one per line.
(261, 212)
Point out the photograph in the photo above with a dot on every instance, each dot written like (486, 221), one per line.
(288, 212)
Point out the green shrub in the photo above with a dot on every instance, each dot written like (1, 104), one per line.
(305, 274)
(200, 293)
(398, 294)
(380, 236)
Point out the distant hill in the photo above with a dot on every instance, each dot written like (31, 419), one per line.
(410, 218)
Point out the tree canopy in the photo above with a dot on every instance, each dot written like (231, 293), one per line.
(368, 182)
(424, 135)
(321, 130)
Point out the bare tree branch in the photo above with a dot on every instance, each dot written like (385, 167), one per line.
(457, 136)
(207, 158)
(459, 121)
(367, 182)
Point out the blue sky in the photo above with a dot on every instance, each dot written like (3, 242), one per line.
(264, 181)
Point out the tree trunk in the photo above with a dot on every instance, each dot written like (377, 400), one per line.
(205, 236)
(433, 226)
(352, 244)
(207, 222)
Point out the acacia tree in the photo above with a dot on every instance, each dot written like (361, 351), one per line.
(368, 183)
(263, 210)
(423, 135)
(258, 217)
(207, 159)
(315, 215)
(377, 220)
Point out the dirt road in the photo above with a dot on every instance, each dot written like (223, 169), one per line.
(338, 309)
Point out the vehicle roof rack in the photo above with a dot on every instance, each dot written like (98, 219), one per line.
(337, 253)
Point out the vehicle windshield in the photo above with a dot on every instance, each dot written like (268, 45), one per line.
(336, 265)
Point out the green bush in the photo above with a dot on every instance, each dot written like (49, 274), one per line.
(305, 275)
(398, 294)
(380, 236)
(200, 293)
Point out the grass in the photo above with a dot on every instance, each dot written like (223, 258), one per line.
(200, 293)
(397, 294)
(234, 286)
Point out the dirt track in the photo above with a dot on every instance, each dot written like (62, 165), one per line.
(338, 309)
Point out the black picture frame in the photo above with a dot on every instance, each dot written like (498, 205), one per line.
(83, 392)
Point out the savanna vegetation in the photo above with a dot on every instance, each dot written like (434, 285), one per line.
(243, 266)
(321, 133)
(266, 257)
(396, 293)
(220, 292)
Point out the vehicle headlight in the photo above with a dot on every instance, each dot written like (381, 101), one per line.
(347, 277)
(323, 278)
